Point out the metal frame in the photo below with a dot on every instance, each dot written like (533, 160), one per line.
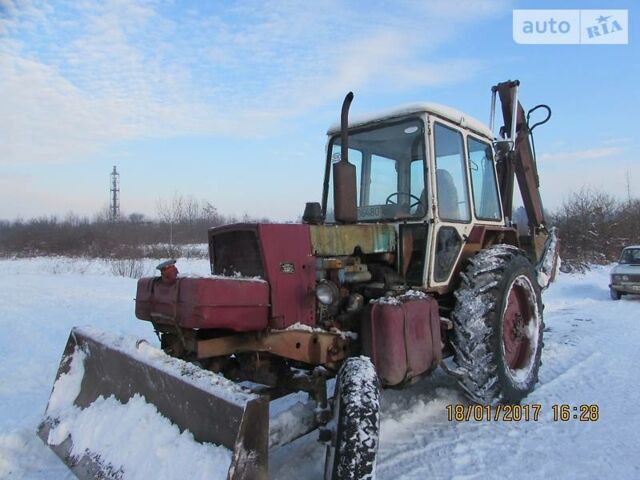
(313, 348)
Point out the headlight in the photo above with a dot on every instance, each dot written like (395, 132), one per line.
(327, 293)
(625, 277)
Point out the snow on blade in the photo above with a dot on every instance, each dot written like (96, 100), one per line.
(146, 353)
(67, 387)
(134, 439)
(131, 440)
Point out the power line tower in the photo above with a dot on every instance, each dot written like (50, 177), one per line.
(114, 195)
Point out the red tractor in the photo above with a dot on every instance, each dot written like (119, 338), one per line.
(410, 257)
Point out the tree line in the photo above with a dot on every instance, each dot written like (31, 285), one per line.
(594, 227)
(181, 221)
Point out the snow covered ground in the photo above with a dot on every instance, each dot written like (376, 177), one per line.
(591, 350)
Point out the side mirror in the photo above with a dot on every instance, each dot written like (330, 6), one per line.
(312, 213)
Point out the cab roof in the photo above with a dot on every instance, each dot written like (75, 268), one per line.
(455, 116)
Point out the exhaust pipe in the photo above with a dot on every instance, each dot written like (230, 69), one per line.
(344, 173)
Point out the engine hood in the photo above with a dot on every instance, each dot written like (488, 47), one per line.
(626, 269)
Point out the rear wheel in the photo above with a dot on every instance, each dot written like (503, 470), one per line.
(498, 326)
(351, 453)
(615, 295)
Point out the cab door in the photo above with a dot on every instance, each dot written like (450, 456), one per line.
(453, 210)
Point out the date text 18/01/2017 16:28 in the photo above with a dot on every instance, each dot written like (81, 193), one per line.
(521, 413)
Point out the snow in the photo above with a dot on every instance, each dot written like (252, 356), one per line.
(444, 111)
(167, 452)
(301, 327)
(66, 390)
(589, 357)
(545, 266)
(94, 267)
(237, 276)
(387, 300)
(144, 352)
(155, 447)
(413, 295)
(406, 296)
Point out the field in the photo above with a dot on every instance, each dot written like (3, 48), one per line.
(589, 358)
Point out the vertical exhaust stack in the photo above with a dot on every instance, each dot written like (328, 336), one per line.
(344, 173)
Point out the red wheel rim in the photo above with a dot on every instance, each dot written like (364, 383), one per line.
(519, 326)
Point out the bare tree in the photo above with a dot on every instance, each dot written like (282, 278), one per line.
(590, 226)
(171, 212)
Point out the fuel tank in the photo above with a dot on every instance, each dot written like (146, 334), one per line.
(402, 337)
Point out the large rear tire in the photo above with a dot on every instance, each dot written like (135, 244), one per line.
(351, 453)
(498, 326)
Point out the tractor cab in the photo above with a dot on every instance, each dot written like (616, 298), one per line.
(428, 170)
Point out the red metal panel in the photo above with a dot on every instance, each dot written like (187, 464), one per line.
(403, 339)
(290, 270)
(476, 235)
(388, 347)
(238, 305)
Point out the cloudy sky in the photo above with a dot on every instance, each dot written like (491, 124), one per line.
(230, 101)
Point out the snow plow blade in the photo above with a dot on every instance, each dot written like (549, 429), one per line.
(214, 409)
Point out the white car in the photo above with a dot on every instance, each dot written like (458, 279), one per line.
(625, 277)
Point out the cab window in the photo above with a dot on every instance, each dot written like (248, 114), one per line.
(483, 180)
(451, 179)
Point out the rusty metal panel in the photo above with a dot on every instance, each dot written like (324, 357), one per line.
(237, 304)
(283, 252)
(239, 421)
(330, 240)
(403, 338)
(291, 272)
(315, 348)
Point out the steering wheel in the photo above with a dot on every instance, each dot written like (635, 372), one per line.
(411, 196)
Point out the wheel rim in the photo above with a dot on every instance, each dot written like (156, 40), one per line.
(520, 329)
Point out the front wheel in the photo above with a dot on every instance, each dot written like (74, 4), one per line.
(351, 453)
(498, 326)
(615, 295)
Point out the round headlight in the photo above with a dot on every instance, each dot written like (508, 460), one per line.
(625, 277)
(327, 292)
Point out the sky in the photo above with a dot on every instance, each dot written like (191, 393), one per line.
(229, 102)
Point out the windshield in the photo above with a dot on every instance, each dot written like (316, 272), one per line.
(389, 162)
(630, 255)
